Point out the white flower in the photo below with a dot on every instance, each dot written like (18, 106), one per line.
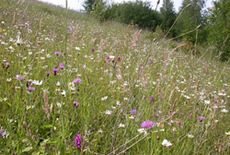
(207, 102)
(100, 131)
(112, 57)
(126, 83)
(77, 48)
(222, 94)
(131, 117)
(3, 99)
(224, 111)
(187, 97)
(48, 56)
(166, 143)
(142, 130)
(108, 112)
(121, 125)
(104, 98)
(8, 79)
(37, 83)
(19, 40)
(58, 84)
(63, 93)
(71, 86)
(227, 133)
(190, 136)
(59, 104)
(118, 103)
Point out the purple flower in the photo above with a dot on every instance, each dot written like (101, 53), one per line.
(148, 124)
(57, 53)
(77, 81)
(151, 99)
(78, 141)
(55, 70)
(76, 104)
(30, 89)
(61, 66)
(133, 112)
(201, 118)
(3, 133)
(20, 77)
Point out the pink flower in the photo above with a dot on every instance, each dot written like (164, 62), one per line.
(148, 124)
(57, 53)
(201, 118)
(76, 104)
(77, 81)
(30, 89)
(61, 66)
(20, 77)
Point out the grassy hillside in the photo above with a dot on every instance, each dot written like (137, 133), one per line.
(72, 85)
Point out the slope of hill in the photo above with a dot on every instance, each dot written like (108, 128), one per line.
(72, 85)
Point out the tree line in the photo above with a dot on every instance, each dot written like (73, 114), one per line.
(190, 23)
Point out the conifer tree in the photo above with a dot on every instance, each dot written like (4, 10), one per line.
(168, 16)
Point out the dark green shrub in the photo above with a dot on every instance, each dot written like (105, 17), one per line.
(137, 13)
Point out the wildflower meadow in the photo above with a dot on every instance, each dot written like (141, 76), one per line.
(70, 84)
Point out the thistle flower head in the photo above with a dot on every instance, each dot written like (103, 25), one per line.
(20, 77)
(77, 81)
(61, 66)
(78, 141)
(201, 118)
(55, 70)
(57, 53)
(148, 124)
(133, 112)
(30, 89)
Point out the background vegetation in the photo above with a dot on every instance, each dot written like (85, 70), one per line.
(191, 23)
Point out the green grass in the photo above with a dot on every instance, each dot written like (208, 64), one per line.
(46, 122)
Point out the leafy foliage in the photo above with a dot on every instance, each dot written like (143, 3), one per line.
(219, 28)
(190, 18)
(168, 16)
(137, 13)
(88, 5)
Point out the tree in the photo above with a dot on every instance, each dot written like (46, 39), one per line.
(137, 13)
(190, 18)
(168, 16)
(89, 5)
(219, 28)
